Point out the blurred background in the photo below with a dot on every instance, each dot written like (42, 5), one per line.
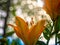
(25, 9)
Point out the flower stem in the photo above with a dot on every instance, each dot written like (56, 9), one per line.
(56, 39)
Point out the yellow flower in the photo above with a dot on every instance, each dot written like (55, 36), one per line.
(52, 7)
(29, 36)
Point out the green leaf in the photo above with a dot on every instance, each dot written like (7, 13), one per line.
(14, 42)
(46, 36)
(40, 43)
(9, 33)
(58, 35)
(48, 30)
(46, 33)
(57, 25)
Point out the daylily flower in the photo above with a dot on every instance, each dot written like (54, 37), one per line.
(28, 35)
(52, 7)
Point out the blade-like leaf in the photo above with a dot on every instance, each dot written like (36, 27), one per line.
(46, 33)
(57, 26)
(9, 33)
(40, 43)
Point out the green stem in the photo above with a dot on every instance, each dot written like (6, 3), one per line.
(56, 39)
(48, 41)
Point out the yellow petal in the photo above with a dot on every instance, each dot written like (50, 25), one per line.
(22, 25)
(17, 30)
(36, 31)
(23, 28)
(19, 34)
(51, 7)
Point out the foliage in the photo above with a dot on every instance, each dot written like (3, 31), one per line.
(47, 32)
(40, 43)
(9, 33)
(3, 4)
(53, 9)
